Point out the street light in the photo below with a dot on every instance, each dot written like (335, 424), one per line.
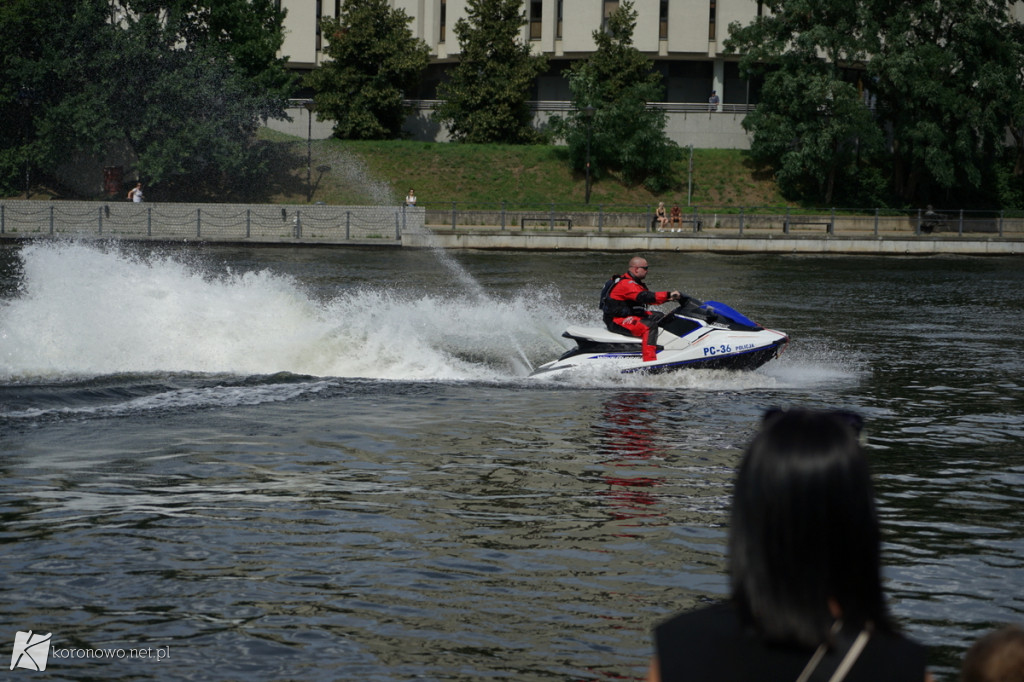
(25, 96)
(309, 151)
(689, 178)
(588, 114)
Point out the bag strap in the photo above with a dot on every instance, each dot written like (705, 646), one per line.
(848, 660)
(851, 656)
(819, 654)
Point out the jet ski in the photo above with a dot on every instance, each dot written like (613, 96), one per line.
(704, 335)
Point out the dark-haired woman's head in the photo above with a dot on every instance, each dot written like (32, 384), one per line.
(804, 540)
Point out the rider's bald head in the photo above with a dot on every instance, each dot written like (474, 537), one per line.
(638, 267)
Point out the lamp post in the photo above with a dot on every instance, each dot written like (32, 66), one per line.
(309, 151)
(689, 178)
(25, 97)
(588, 114)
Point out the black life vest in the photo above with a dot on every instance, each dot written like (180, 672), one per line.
(612, 308)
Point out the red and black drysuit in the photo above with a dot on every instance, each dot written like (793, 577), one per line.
(624, 302)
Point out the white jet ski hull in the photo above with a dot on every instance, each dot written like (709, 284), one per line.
(694, 336)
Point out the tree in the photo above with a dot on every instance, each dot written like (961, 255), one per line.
(1015, 95)
(942, 77)
(374, 61)
(37, 75)
(811, 123)
(486, 97)
(1009, 177)
(820, 137)
(623, 133)
(184, 83)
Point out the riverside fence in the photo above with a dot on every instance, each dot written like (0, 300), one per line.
(724, 220)
(209, 222)
(321, 223)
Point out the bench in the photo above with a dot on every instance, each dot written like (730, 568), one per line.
(697, 224)
(945, 223)
(827, 224)
(547, 220)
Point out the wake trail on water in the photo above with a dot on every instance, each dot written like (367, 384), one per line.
(85, 310)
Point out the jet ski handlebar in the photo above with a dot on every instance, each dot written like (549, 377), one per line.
(682, 299)
(688, 305)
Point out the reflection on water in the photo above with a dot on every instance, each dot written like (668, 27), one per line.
(313, 464)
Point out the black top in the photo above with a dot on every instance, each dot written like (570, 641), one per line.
(710, 644)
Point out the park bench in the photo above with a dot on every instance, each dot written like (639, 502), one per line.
(546, 220)
(790, 222)
(696, 223)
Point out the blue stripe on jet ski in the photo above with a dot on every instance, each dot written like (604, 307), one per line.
(699, 361)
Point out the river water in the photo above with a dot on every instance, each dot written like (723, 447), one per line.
(320, 464)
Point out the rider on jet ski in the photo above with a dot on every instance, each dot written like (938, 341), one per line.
(624, 301)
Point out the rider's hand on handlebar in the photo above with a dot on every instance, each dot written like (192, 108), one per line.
(674, 296)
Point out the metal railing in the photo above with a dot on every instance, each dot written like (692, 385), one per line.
(722, 219)
(215, 222)
(21, 219)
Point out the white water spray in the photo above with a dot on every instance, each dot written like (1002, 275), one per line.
(86, 311)
(475, 290)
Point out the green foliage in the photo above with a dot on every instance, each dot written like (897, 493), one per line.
(945, 79)
(486, 98)
(1008, 184)
(946, 86)
(184, 83)
(374, 61)
(622, 133)
(48, 52)
(1015, 104)
(815, 130)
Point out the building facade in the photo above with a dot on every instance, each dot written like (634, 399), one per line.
(684, 38)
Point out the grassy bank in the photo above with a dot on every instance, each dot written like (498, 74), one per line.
(349, 172)
(488, 174)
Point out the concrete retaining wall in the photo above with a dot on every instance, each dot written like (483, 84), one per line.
(690, 242)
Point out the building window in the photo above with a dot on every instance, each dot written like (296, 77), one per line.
(711, 22)
(444, 17)
(609, 8)
(536, 7)
(663, 21)
(319, 16)
(558, 21)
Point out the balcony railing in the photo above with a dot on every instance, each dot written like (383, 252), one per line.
(550, 105)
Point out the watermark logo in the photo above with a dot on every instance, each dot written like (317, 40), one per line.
(30, 650)
(33, 650)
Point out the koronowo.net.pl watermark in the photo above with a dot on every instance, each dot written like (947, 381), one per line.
(33, 651)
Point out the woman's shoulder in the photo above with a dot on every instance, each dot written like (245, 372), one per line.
(712, 643)
(897, 654)
(712, 628)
